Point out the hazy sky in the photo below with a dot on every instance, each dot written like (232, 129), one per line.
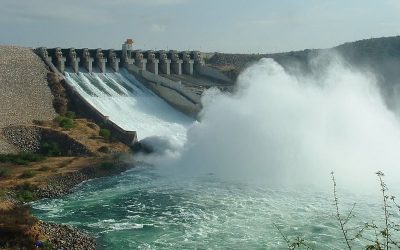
(207, 25)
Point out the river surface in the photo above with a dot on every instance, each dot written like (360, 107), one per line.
(143, 209)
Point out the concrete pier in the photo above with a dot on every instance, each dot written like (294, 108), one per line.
(140, 61)
(187, 63)
(198, 60)
(60, 60)
(152, 62)
(73, 60)
(165, 63)
(87, 60)
(44, 54)
(101, 60)
(113, 60)
(176, 62)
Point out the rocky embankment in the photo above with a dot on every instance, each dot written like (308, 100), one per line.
(24, 94)
(63, 184)
(64, 237)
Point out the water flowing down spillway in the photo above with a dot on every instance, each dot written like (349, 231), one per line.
(130, 105)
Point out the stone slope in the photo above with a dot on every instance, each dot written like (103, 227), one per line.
(24, 94)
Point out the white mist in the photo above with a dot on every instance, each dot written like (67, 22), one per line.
(280, 129)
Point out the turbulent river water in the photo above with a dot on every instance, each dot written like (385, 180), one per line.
(255, 170)
(142, 209)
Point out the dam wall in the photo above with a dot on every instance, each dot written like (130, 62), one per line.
(127, 137)
(161, 70)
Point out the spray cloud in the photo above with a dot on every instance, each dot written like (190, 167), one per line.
(281, 129)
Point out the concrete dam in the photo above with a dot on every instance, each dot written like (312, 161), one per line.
(132, 90)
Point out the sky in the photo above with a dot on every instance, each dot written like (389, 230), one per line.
(235, 26)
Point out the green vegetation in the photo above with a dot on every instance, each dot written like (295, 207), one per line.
(65, 122)
(70, 115)
(23, 158)
(105, 133)
(27, 174)
(51, 149)
(5, 172)
(26, 193)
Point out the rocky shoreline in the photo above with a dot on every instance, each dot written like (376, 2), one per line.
(63, 184)
(65, 236)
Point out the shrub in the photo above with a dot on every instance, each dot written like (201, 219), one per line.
(105, 133)
(26, 192)
(70, 115)
(22, 158)
(5, 172)
(65, 122)
(26, 195)
(27, 174)
(51, 149)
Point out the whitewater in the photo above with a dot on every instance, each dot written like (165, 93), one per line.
(254, 168)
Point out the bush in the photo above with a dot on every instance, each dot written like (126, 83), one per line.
(27, 174)
(51, 149)
(5, 172)
(70, 115)
(26, 195)
(65, 122)
(26, 192)
(105, 133)
(22, 158)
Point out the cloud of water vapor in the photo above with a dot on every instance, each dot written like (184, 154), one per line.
(281, 129)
